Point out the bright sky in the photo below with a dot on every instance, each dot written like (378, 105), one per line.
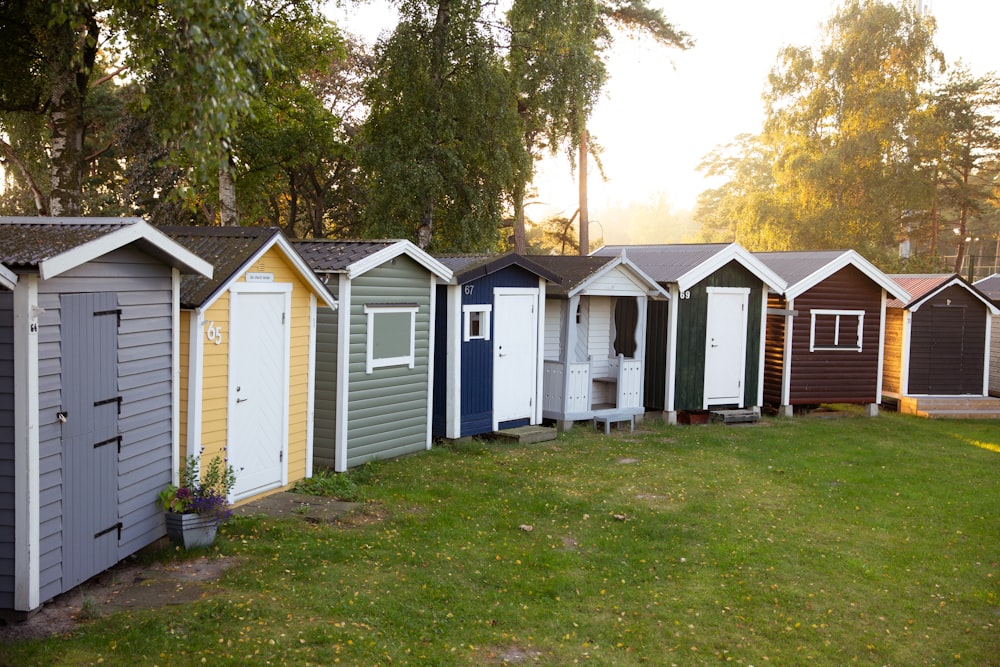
(657, 121)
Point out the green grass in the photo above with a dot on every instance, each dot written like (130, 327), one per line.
(790, 542)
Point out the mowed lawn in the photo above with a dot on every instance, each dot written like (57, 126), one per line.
(805, 541)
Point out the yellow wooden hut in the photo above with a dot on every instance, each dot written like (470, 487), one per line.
(247, 353)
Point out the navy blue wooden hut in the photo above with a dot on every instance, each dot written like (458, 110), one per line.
(489, 344)
(88, 397)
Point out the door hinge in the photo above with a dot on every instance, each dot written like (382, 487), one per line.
(117, 439)
(117, 312)
(117, 526)
(281, 456)
(282, 318)
(107, 401)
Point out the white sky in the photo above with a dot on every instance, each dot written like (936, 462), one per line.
(657, 120)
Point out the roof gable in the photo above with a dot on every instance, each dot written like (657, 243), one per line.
(687, 264)
(923, 287)
(53, 246)
(357, 257)
(580, 275)
(805, 269)
(470, 267)
(233, 250)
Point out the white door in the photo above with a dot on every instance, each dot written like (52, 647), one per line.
(725, 346)
(515, 355)
(258, 389)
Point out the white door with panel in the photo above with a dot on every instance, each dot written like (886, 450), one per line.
(258, 387)
(725, 345)
(515, 354)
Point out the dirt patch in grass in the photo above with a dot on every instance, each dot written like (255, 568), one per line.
(128, 585)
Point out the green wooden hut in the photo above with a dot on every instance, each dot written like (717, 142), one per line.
(705, 346)
(374, 355)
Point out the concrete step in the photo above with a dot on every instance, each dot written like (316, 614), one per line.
(953, 407)
(527, 435)
(959, 414)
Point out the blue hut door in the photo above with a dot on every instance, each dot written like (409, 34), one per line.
(515, 355)
(90, 438)
(725, 345)
(258, 388)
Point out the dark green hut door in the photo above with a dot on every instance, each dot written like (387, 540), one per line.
(90, 439)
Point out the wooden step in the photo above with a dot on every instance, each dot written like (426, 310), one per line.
(527, 435)
(735, 416)
(951, 407)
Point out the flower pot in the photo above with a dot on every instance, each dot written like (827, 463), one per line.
(191, 530)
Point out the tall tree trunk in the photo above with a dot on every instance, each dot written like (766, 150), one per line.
(584, 213)
(228, 214)
(70, 74)
(520, 237)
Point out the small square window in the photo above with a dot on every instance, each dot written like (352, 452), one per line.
(836, 330)
(391, 336)
(477, 322)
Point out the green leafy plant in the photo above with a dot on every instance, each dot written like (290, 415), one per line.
(204, 493)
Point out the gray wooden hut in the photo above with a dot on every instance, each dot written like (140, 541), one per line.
(990, 286)
(88, 394)
(595, 328)
(374, 355)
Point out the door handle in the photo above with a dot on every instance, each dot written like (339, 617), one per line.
(242, 400)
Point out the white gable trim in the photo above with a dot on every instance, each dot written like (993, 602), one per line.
(849, 258)
(442, 272)
(136, 230)
(732, 252)
(301, 268)
(8, 278)
(645, 286)
(954, 281)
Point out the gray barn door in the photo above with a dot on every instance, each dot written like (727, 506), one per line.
(90, 438)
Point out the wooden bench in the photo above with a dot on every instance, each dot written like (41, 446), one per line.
(609, 418)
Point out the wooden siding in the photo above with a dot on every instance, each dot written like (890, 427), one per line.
(325, 420)
(398, 391)
(774, 350)
(215, 379)
(835, 376)
(691, 331)
(144, 351)
(657, 321)
(995, 356)
(948, 345)
(553, 327)
(7, 528)
(892, 364)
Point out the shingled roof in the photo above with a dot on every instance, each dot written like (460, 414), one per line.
(470, 267)
(227, 248)
(990, 286)
(803, 269)
(52, 245)
(356, 257)
(571, 270)
(689, 263)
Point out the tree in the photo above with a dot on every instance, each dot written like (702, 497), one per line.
(191, 59)
(556, 62)
(441, 147)
(965, 109)
(842, 135)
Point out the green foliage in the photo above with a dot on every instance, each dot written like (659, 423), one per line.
(441, 146)
(200, 491)
(348, 486)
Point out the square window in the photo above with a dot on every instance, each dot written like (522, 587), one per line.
(391, 335)
(477, 322)
(836, 330)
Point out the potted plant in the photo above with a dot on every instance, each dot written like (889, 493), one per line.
(195, 509)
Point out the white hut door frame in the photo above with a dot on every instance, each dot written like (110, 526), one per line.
(725, 345)
(515, 354)
(258, 386)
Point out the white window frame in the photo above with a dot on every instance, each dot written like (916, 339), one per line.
(484, 310)
(837, 346)
(371, 310)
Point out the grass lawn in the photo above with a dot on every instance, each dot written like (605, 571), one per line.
(799, 541)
